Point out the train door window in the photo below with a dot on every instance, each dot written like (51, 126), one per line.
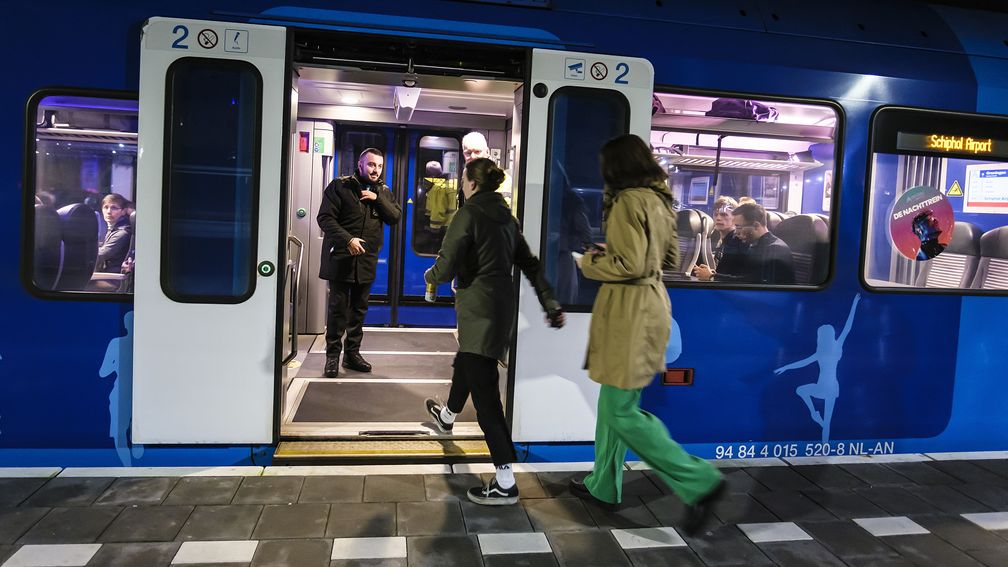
(574, 183)
(211, 190)
(435, 196)
(937, 202)
(779, 156)
(80, 186)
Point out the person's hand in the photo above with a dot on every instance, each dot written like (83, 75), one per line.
(779, 371)
(356, 246)
(127, 265)
(596, 248)
(555, 318)
(703, 272)
(368, 195)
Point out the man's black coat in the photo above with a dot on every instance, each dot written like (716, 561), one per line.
(342, 216)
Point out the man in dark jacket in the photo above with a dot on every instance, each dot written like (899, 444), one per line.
(351, 215)
(769, 259)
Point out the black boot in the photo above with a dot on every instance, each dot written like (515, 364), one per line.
(331, 366)
(354, 361)
(698, 513)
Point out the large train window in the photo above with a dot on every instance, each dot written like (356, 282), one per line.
(754, 182)
(80, 186)
(436, 194)
(574, 183)
(937, 202)
(211, 191)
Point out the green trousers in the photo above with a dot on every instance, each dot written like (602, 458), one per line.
(622, 424)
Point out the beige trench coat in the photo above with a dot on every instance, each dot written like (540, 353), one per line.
(632, 314)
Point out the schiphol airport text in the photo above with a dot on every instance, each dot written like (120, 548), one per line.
(810, 449)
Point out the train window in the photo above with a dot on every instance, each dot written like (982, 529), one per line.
(80, 183)
(574, 183)
(937, 202)
(777, 157)
(211, 194)
(435, 197)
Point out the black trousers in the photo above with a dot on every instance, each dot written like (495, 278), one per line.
(477, 375)
(348, 303)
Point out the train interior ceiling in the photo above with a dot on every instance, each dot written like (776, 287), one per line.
(418, 121)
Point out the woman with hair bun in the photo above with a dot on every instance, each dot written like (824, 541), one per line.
(482, 246)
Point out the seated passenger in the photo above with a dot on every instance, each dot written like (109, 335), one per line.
(746, 200)
(113, 249)
(728, 250)
(769, 259)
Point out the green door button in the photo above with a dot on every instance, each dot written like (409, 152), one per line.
(266, 268)
(302, 213)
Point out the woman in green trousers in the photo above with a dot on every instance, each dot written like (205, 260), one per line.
(630, 325)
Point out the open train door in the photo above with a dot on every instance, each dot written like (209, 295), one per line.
(208, 231)
(575, 103)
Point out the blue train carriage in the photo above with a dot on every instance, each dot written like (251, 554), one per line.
(207, 350)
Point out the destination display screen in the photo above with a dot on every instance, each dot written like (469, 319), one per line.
(979, 146)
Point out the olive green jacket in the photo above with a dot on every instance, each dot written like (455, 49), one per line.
(482, 246)
(632, 315)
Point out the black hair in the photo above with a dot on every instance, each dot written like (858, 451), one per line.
(485, 173)
(374, 151)
(626, 161)
(751, 212)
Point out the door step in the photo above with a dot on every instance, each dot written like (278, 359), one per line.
(385, 451)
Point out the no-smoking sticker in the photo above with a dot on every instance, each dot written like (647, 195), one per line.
(207, 39)
(599, 70)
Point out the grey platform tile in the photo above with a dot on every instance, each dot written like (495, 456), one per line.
(792, 506)
(293, 553)
(524, 560)
(961, 532)
(896, 501)
(636, 483)
(147, 523)
(495, 519)
(429, 518)
(774, 532)
(996, 466)
(126, 491)
(847, 539)
(922, 473)
(989, 520)
(947, 499)
(14, 522)
(801, 554)
(135, 555)
(742, 508)
(844, 503)
(232, 522)
(201, 552)
(994, 496)
(883, 561)
(891, 526)
(333, 489)
(438, 551)
(780, 478)
(587, 549)
(286, 521)
(739, 481)
(6, 551)
(268, 490)
(514, 544)
(726, 545)
(558, 514)
(451, 486)
(397, 562)
(57, 554)
(631, 514)
(968, 472)
(199, 490)
(362, 520)
(394, 488)
(930, 550)
(875, 474)
(71, 525)
(528, 485)
(669, 510)
(647, 538)
(829, 476)
(558, 483)
(13, 491)
(368, 548)
(991, 557)
(69, 492)
(663, 557)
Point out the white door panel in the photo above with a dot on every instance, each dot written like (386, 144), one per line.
(205, 372)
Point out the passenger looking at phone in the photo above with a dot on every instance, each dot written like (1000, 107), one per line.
(351, 216)
(769, 258)
(728, 250)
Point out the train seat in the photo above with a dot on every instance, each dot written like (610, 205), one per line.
(773, 218)
(80, 246)
(48, 254)
(956, 266)
(808, 238)
(691, 232)
(992, 269)
(706, 252)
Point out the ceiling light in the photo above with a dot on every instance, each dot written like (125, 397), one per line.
(350, 97)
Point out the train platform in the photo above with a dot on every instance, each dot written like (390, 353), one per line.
(936, 509)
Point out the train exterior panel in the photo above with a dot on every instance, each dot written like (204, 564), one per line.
(866, 361)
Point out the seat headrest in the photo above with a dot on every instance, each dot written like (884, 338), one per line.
(994, 243)
(802, 232)
(965, 239)
(689, 222)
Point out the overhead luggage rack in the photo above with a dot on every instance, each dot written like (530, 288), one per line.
(738, 162)
(717, 125)
(83, 135)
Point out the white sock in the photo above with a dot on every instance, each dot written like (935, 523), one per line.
(447, 415)
(505, 477)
